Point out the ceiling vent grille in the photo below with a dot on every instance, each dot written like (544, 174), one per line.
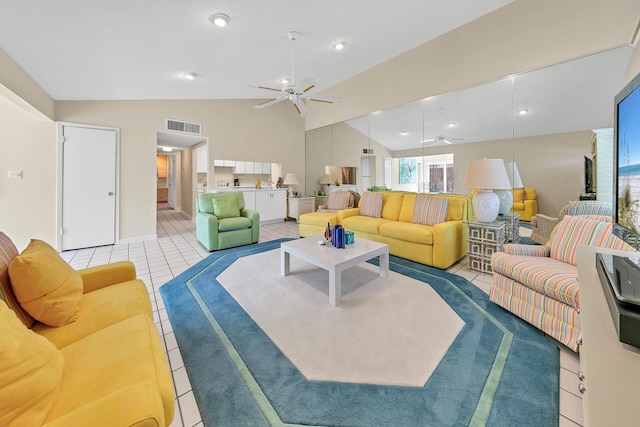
(186, 127)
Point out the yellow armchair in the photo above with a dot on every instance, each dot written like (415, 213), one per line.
(525, 203)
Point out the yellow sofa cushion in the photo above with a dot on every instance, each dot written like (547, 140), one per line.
(456, 209)
(408, 232)
(391, 204)
(365, 224)
(101, 308)
(102, 369)
(45, 285)
(30, 372)
(8, 252)
(406, 211)
(519, 195)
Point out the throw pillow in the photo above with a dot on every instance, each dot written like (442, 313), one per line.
(519, 195)
(226, 207)
(8, 252)
(30, 372)
(45, 285)
(339, 200)
(574, 231)
(430, 210)
(371, 204)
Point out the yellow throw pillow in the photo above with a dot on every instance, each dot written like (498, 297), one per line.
(30, 372)
(45, 285)
(519, 195)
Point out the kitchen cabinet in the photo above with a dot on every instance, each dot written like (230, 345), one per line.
(249, 200)
(162, 194)
(257, 167)
(272, 205)
(249, 167)
(229, 163)
(240, 167)
(266, 168)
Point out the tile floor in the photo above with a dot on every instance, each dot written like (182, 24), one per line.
(177, 249)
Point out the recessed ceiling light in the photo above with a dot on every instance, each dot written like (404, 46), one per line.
(168, 149)
(522, 112)
(219, 19)
(339, 45)
(285, 81)
(404, 132)
(189, 76)
(451, 125)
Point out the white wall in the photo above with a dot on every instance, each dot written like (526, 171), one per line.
(27, 205)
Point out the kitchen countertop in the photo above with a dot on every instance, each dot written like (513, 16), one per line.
(241, 188)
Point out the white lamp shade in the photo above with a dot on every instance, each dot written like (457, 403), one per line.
(290, 179)
(326, 179)
(487, 174)
(513, 174)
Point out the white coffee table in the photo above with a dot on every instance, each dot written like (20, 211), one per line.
(334, 260)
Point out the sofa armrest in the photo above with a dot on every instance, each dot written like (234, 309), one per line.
(207, 230)
(449, 243)
(254, 216)
(542, 226)
(139, 404)
(346, 213)
(530, 208)
(527, 250)
(105, 275)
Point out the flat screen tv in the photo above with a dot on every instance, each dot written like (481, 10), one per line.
(627, 158)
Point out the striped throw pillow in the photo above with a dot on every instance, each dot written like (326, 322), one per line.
(430, 210)
(8, 252)
(371, 204)
(574, 231)
(339, 200)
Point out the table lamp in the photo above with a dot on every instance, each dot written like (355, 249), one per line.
(290, 180)
(506, 196)
(486, 175)
(326, 180)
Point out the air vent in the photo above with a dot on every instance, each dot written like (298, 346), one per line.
(185, 127)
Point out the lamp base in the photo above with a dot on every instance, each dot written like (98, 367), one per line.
(506, 201)
(485, 205)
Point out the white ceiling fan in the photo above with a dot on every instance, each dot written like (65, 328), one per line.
(442, 138)
(293, 92)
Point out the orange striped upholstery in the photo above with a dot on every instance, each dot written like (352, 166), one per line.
(540, 283)
(339, 200)
(371, 204)
(430, 210)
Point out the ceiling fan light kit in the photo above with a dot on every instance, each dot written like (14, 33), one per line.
(294, 92)
(219, 19)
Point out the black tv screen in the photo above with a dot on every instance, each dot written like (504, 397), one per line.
(627, 156)
(588, 176)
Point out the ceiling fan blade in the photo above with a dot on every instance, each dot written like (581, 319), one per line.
(269, 102)
(264, 87)
(427, 141)
(306, 85)
(327, 99)
(446, 141)
(301, 107)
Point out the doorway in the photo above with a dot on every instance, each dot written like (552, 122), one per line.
(88, 183)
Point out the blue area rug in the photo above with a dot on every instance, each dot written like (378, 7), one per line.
(499, 371)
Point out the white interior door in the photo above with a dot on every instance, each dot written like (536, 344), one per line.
(173, 171)
(89, 165)
(388, 172)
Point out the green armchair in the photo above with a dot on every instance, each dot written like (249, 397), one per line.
(223, 222)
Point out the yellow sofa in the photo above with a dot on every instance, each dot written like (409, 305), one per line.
(525, 203)
(97, 358)
(440, 245)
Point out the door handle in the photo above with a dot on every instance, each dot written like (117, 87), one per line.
(110, 193)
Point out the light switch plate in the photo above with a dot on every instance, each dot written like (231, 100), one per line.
(15, 174)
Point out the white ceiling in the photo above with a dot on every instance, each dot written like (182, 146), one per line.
(119, 49)
(568, 97)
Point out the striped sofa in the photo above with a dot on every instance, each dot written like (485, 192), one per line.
(540, 283)
(542, 225)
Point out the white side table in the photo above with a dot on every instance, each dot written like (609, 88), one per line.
(512, 227)
(297, 206)
(484, 240)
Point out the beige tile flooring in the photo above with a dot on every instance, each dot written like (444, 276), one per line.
(177, 249)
